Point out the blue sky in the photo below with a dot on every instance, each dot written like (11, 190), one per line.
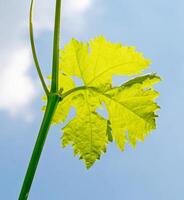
(154, 170)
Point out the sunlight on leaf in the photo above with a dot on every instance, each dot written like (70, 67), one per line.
(130, 107)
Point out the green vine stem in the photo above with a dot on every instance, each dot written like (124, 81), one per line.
(34, 49)
(53, 100)
(55, 62)
(50, 109)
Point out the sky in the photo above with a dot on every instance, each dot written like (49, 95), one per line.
(154, 170)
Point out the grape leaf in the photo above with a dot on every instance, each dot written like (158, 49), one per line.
(131, 107)
(87, 132)
(96, 62)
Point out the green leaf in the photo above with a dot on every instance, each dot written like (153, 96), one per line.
(95, 63)
(131, 107)
(87, 131)
(132, 110)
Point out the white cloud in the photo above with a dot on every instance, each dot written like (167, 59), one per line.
(17, 87)
(77, 6)
(74, 12)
